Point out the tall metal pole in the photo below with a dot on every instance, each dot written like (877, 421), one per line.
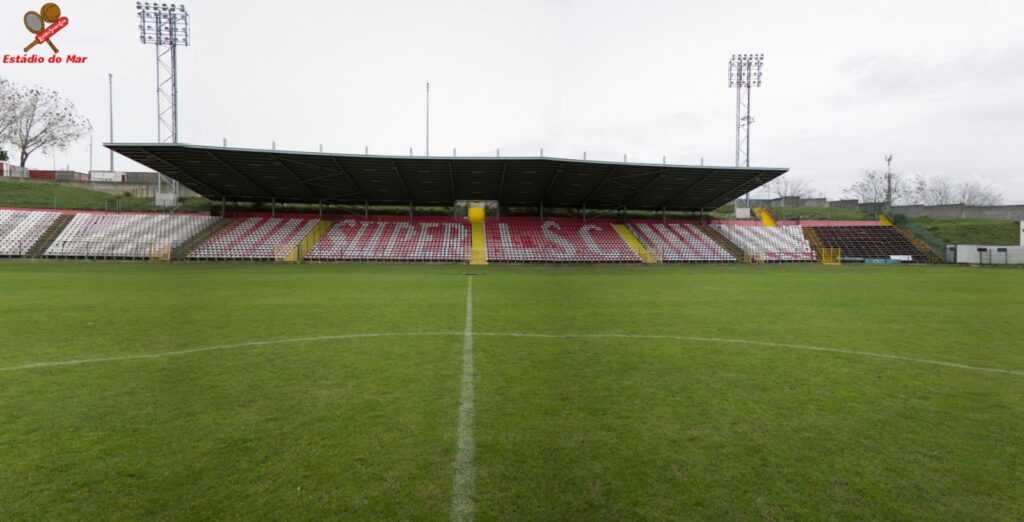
(110, 79)
(159, 113)
(428, 119)
(888, 182)
(748, 122)
(174, 92)
(739, 124)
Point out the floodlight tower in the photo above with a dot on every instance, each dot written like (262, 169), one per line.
(166, 27)
(744, 75)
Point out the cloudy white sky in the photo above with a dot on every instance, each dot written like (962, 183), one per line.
(937, 84)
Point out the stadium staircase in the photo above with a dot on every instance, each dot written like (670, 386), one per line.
(181, 252)
(306, 243)
(729, 246)
(478, 250)
(813, 240)
(928, 251)
(766, 217)
(49, 236)
(478, 236)
(645, 257)
(827, 255)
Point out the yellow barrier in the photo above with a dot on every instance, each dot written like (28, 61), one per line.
(476, 215)
(298, 253)
(831, 256)
(631, 240)
(884, 220)
(766, 217)
(478, 252)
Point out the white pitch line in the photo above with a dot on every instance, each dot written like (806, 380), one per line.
(464, 483)
(248, 344)
(761, 343)
(718, 340)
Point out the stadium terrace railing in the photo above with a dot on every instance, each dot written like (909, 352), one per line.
(308, 241)
(831, 256)
(128, 250)
(936, 245)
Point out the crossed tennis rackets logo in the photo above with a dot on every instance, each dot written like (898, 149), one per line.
(36, 24)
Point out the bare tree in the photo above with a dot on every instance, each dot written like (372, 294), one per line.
(790, 187)
(934, 191)
(8, 110)
(43, 120)
(871, 187)
(943, 191)
(970, 192)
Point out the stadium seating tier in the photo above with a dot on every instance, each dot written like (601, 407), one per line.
(20, 229)
(256, 238)
(770, 244)
(125, 236)
(859, 243)
(407, 239)
(679, 243)
(526, 240)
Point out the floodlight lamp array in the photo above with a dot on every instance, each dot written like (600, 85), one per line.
(745, 70)
(162, 24)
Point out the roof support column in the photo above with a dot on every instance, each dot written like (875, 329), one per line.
(410, 211)
(366, 209)
(320, 207)
(273, 207)
(542, 210)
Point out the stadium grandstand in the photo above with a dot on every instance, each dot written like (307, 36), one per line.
(361, 181)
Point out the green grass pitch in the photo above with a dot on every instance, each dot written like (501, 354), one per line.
(238, 391)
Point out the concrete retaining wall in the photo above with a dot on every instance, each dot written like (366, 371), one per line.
(142, 190)
(1010, 212)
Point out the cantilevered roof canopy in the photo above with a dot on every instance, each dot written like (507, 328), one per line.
(262, 175)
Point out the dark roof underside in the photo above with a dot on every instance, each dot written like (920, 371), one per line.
(262, 175)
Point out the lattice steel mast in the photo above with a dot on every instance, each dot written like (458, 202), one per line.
(744, 75)
(166, 27)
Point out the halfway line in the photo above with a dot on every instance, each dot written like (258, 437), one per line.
(113, 358)
(719, 340)
(464, 481)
